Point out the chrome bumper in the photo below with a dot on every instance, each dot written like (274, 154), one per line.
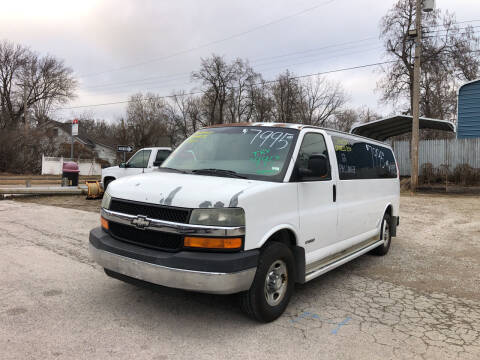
(207, 282)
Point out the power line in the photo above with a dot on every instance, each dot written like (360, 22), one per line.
(455, 23)
(254, 61)
(265, 69)
(277, 59)
(185, 76)
(201, 92)
(453, 29)
(233, 36)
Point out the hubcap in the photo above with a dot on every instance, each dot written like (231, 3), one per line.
(385, 233)
(276, 283)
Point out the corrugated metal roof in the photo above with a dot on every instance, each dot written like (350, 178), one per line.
(397, 125)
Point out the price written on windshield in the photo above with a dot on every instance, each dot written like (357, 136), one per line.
(270, 138)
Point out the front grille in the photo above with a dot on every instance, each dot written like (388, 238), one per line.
(146, 238)
(159, 212)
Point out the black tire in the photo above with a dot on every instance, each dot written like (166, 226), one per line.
(254, 301)
(386, 225)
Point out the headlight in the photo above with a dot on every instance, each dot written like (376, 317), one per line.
(218, 217)
(106, 200)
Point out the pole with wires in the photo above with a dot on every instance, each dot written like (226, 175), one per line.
(416, 97)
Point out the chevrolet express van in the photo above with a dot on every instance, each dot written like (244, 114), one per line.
(251, 209)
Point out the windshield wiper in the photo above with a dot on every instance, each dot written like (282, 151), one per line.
(173, 169)
(219, 172)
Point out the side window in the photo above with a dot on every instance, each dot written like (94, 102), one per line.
(140, 159)
(362, 160)
(161, 156)
(312, 143)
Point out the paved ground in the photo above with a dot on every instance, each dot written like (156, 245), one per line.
(420, 301)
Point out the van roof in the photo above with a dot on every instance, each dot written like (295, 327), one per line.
(299, 127)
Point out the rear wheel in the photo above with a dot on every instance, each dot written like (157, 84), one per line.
(385, 235)
(273, 284)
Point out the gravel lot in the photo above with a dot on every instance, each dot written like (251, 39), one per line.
(420, 301)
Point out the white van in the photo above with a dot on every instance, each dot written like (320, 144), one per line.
(251, 209)
(144, 160)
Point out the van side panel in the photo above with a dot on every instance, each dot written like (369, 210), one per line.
(368, 183)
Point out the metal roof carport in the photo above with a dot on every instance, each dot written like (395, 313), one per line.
(397, 125)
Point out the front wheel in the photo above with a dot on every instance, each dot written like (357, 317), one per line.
(385, 235)
(273, 284)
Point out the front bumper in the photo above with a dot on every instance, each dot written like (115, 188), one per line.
(215, 273)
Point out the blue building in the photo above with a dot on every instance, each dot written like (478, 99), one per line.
(468, 121)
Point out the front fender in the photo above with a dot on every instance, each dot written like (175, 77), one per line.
(276, 229)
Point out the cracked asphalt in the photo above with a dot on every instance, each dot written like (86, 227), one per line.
(421, 301)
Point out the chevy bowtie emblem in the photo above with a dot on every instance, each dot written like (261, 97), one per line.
(141, 222)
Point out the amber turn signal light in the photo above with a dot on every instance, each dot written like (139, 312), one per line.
(104, 223)
(212, 243)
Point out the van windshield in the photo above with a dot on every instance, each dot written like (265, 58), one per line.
(252, 152)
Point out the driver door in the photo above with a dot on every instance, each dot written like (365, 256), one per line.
(137, 163)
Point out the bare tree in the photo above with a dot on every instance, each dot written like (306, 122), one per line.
(239, 103)
(286, 93)
(216, 75)
(319, 100)
(448, 57)
(28, 80)
(262, 102)
(146, 120)
(344, 119)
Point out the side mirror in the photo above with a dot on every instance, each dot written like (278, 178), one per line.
(122, 165)
(157, 162)
(318, 167)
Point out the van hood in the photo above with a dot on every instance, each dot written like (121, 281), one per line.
(183, 190)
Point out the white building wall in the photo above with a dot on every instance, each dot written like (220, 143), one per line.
(54, 165)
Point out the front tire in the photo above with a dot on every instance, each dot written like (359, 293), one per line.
(385, 235)
(273, 284)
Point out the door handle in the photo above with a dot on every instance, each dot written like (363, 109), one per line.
(334, 193)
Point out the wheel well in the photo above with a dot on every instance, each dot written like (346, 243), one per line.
(109, 178)
(389, 210)
(288, 238)
(284, 236)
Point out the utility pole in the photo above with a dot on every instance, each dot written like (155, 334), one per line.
(25, 119)
(416, 96)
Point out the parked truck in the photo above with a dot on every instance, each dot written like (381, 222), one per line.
(143, 161)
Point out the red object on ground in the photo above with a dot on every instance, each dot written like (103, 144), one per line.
(70, 167)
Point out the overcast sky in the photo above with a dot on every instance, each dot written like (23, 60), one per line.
(119, 47)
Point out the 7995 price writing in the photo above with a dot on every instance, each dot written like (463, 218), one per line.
(270, 138)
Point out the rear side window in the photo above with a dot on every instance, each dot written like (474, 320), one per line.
(361, 160)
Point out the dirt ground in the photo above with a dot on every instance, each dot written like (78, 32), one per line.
(438, 249)
(78, 202)
(420, 301)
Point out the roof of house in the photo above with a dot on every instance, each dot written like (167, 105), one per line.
(398, 124)
(82, 136)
